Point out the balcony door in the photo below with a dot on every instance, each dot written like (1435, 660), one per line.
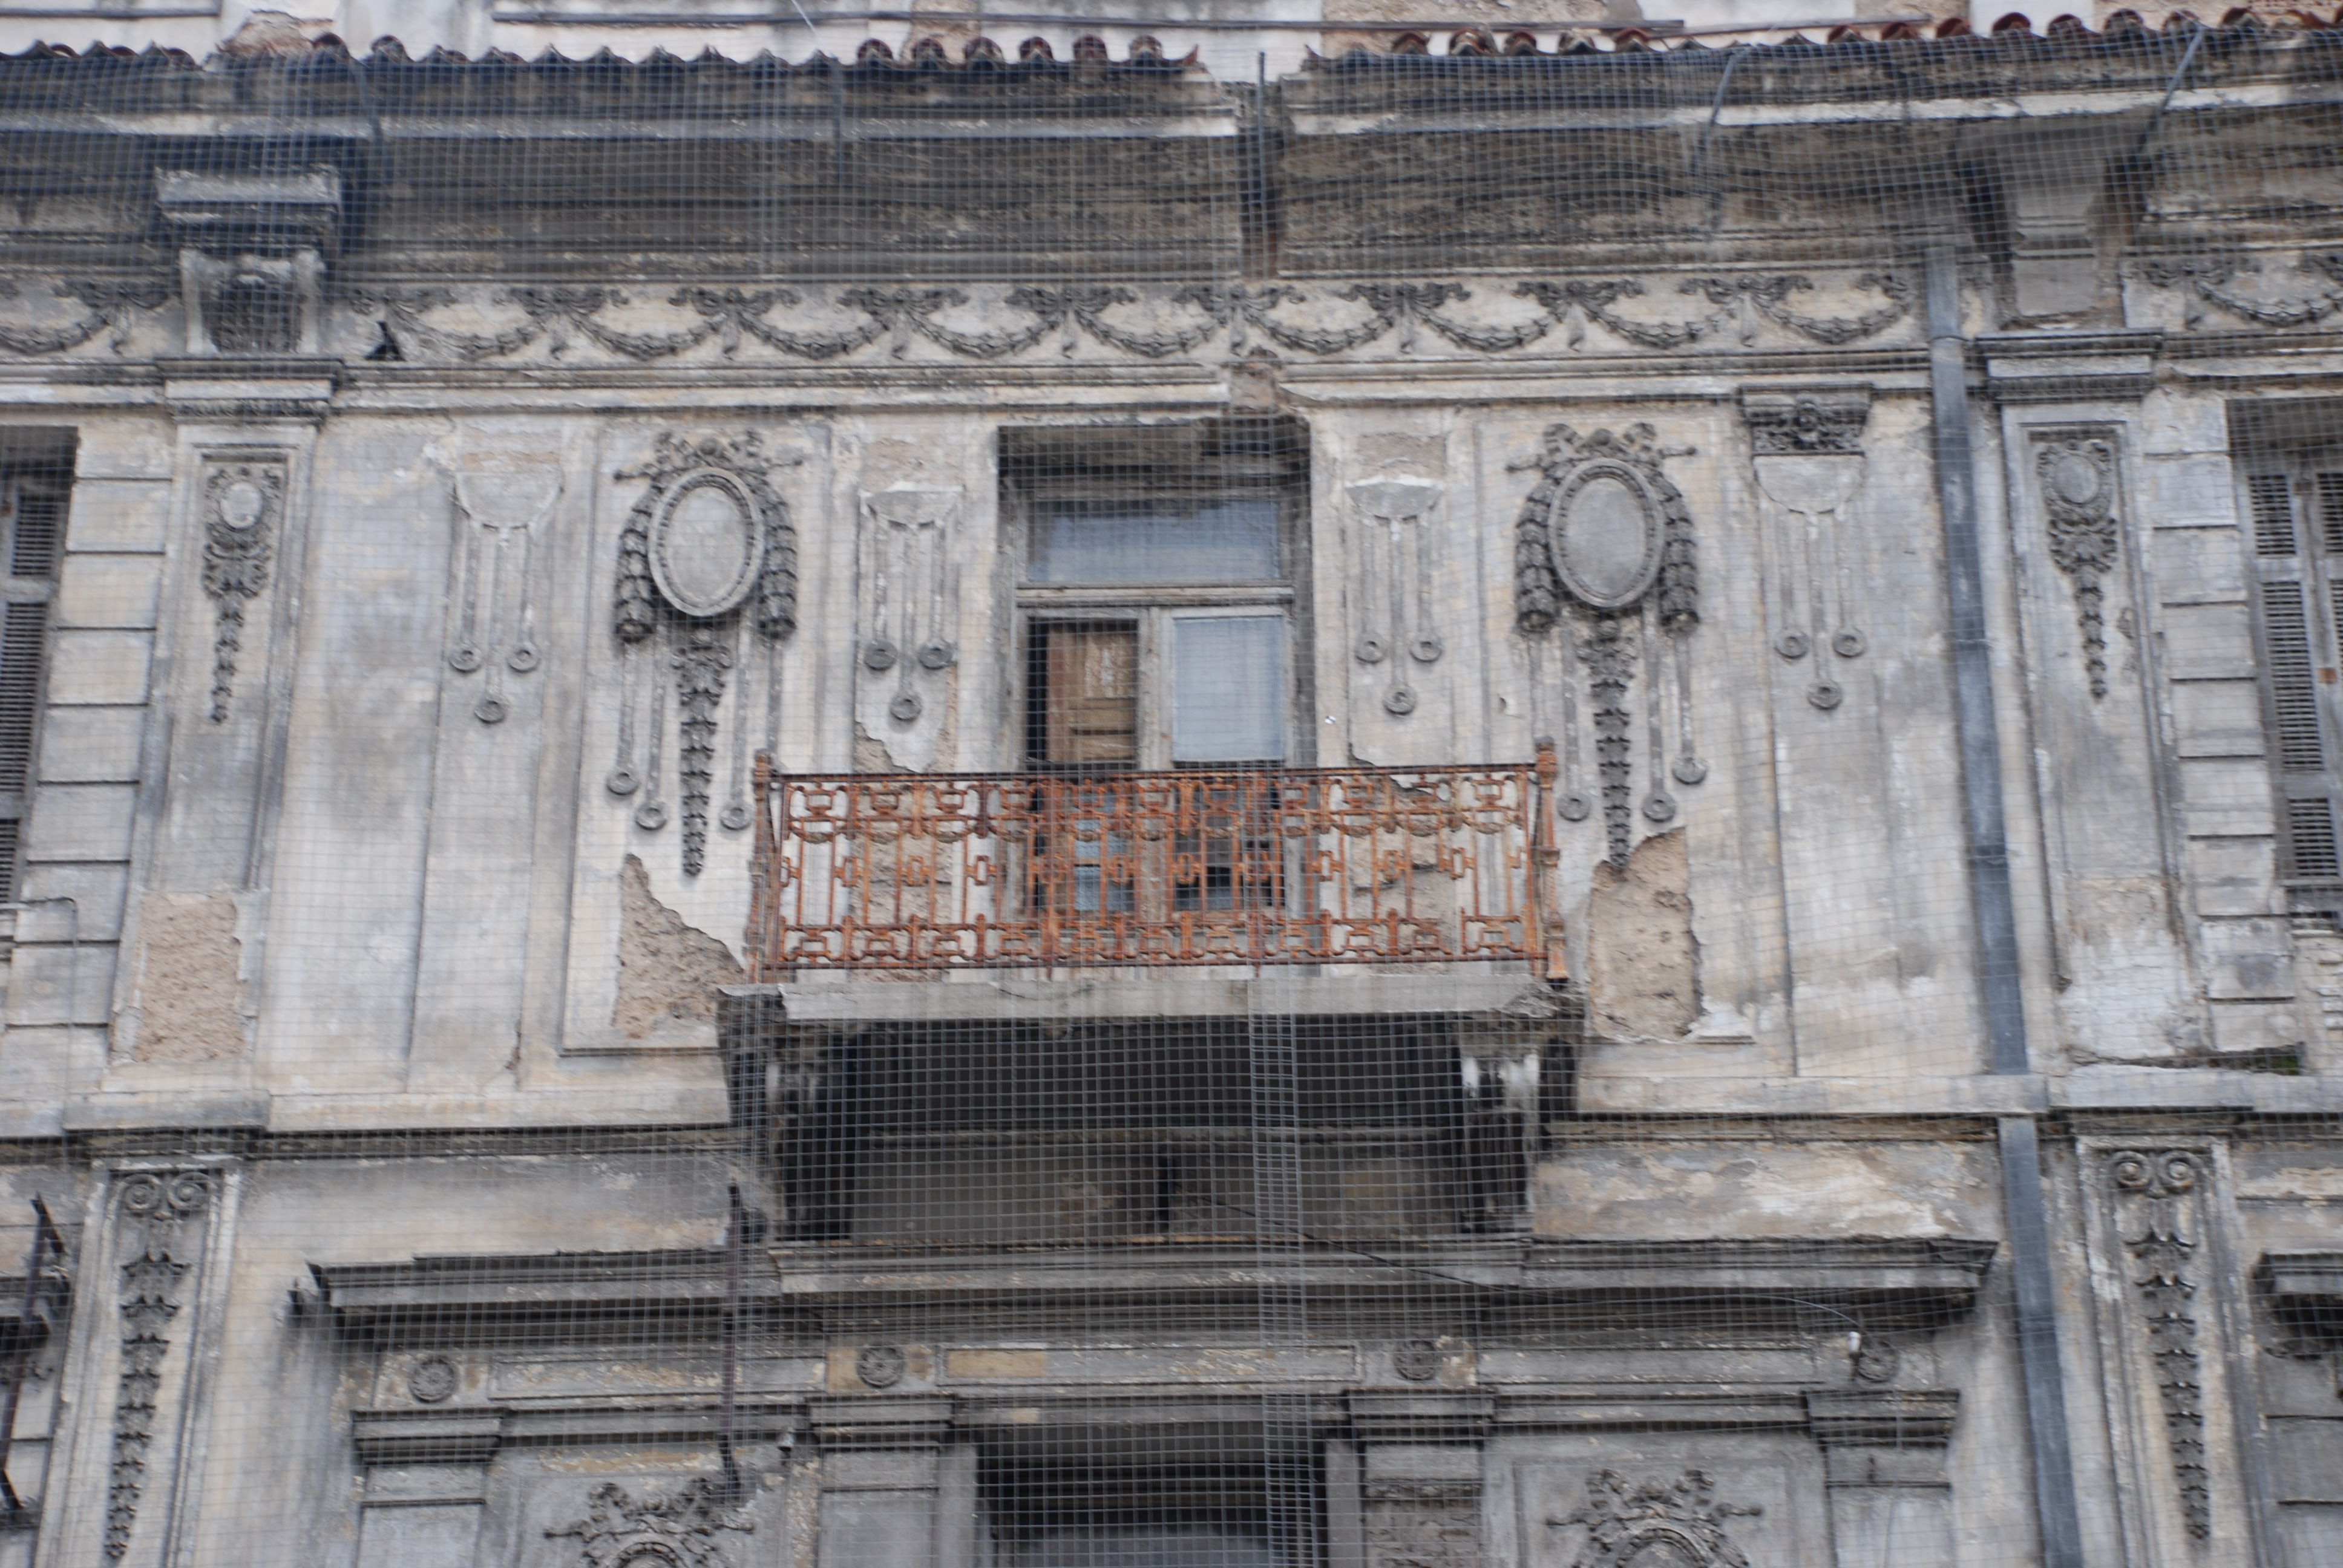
(1159, 571)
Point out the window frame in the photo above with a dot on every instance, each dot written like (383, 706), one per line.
(1139, 463)
(2309, 686)
(52, 478)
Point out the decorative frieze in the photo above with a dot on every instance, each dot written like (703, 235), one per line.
(275, 302)
(446, 323)
(707, 557)
(2078, 477)
(1605, 535)
(243, 505)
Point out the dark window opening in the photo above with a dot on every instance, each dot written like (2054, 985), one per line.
(1111, 1133)
(1162, 570)
(1113, 1499)
(34, 493)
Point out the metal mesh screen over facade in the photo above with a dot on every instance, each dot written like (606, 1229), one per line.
(1224, 789)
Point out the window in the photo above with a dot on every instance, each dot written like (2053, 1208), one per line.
(1160, 601)
(1160, 573)
(31, 537)
(2293, 500)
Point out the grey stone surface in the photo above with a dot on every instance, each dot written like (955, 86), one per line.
(379, 888)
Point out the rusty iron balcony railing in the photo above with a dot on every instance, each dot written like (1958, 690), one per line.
(1257, 866)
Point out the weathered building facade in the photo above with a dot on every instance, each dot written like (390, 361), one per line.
(1541, 804)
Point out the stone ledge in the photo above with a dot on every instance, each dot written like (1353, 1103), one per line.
(1092, 998)
(433, 1299)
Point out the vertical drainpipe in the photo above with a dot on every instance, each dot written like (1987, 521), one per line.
(2023, 1202)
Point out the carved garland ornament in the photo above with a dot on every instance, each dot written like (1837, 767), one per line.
(2205, 281)
(677, 1532)
(2077, 475)
(709, 547)
(1678, 1523)
(2156, 1201)
(1603, 530)
(242, 503)
(731, 317)
(153, 1206)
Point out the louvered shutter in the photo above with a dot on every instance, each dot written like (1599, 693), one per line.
(35, 512)
(2296, 517)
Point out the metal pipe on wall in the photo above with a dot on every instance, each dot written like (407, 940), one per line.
(2024, 1202)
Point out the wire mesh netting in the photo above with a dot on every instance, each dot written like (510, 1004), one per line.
(1220, 791)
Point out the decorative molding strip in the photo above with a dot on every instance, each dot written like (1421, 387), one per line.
(2078, 475)
(1605, 531)
(676, 1532)
(1167, 322)
(2157, 1194)
(1678, 1521)
(244, 504)
(153, 1206)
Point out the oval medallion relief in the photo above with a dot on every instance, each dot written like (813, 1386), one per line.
(1606, 537)
(704, 545)
(2076, 479)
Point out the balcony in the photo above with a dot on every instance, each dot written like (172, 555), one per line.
(1242, 868)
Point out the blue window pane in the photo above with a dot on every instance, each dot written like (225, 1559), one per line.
(1228, 702)
(1153, 542)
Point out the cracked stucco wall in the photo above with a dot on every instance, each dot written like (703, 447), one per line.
(1643, 977)
(187, 983)
(668, 971)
